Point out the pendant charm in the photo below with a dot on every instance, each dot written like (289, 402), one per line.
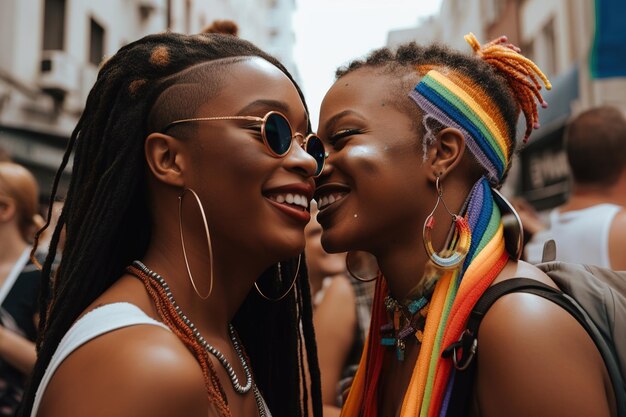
(400, 346)
(406, 320)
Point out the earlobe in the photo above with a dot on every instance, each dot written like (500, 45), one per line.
(7, 209)
(164, 158)
(447, 152)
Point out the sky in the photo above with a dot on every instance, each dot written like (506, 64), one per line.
(330, 33)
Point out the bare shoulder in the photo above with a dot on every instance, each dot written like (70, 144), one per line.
(536, 359)
(617, 241)
(117, 372)
(523, 269)
(337, 308)
(340, 290)
(335, 317)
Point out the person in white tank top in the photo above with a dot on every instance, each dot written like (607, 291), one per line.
(180, 291)
(591, 227)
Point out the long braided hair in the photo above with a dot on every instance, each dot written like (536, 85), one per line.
(107, 222)
(482, 96)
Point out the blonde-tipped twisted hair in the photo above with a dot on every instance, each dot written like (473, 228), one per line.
(521, 74)
(451, 98)
(508, 83)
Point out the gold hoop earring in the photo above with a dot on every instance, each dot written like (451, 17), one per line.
(182, 240)
(280, 275)
(362, 264)
(464, 236)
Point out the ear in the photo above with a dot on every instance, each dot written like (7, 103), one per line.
(446, 153)
(7, 209)
(165, 158)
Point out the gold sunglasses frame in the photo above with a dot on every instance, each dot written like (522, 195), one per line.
(263, 120)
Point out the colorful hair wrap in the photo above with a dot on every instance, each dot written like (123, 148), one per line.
(445, 100)
(452, 99)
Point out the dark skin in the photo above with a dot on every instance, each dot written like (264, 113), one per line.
(380, 167)
(334, 317)
(148, 371)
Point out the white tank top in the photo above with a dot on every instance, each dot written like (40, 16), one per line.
(581, 236)
(97, 322)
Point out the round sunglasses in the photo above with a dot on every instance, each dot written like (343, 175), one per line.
(277, 135)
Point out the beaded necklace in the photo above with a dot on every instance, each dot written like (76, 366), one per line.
(407, 319)
(153, 281)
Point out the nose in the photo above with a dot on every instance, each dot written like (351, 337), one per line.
(299, 160)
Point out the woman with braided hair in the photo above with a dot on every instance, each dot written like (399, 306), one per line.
(419, 141)
(179, 292)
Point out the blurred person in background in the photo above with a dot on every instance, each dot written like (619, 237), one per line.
(45, 237)
(591, 227)
(4, 155)
(341, 315)
(19, 282)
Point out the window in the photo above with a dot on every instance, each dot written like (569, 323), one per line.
(96, 43)
(550, 44)
(188, 8)
(528, 49)
(54, 25)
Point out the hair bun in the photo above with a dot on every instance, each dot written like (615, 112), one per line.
(225, 27)
(521, 74)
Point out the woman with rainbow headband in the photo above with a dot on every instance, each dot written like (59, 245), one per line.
(419, 139)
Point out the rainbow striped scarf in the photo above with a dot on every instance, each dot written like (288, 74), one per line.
(455, 294)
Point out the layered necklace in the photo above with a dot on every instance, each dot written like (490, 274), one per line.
(159, 290)
(406, 319)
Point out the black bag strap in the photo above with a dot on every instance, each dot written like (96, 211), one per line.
(465, 363)
(525, 285)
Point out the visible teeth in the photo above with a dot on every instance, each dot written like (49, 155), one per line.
(295, 199)
(327, 200)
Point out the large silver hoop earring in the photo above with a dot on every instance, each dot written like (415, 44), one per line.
(280, 276)
(182, 240)
(357, 262)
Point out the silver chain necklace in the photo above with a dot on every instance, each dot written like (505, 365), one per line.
(241, 389)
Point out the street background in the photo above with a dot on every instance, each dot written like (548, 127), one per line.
(50, 51)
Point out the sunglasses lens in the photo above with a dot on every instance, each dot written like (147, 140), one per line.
(315, 148)
(278, 134)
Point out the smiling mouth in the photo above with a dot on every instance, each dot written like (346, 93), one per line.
(294, 201)
(324, 201)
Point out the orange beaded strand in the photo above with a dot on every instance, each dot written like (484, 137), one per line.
(170, 317)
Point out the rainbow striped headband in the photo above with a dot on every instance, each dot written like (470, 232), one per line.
(455, 101)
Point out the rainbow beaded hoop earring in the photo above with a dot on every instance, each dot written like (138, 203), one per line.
(464, 238)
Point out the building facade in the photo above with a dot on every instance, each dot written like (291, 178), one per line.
(558, 36)
(50, 51)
